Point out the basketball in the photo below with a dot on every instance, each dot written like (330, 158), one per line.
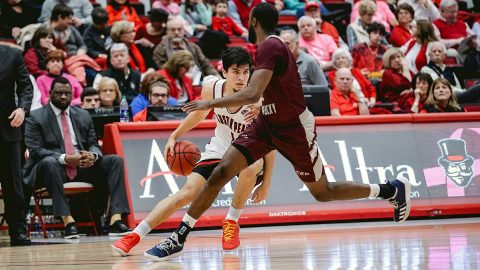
(186, 155)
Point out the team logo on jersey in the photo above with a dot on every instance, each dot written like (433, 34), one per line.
(458, 164)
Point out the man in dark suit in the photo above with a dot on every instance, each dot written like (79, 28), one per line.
(13, 73)
(63, 147)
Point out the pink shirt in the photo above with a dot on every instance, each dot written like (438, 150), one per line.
(44, 83)
(383, 14)
(321, 48)
(172, 8)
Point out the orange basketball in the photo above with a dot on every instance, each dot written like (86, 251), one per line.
(186, 155)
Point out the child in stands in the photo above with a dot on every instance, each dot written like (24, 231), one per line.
(222, 22)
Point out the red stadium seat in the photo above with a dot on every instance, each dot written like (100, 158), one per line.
(287, 20)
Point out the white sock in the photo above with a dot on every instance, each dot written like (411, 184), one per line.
(142, 229)
(190, 221)
(234, 214)
(374, 191)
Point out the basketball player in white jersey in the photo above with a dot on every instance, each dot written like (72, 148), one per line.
(230, 123)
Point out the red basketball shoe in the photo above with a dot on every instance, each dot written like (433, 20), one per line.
(230, 238)
(126, 243)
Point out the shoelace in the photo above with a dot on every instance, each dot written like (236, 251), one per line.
(166, 244)
(229, 231)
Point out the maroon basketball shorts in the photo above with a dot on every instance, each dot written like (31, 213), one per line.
(295, 140)
(206, 167)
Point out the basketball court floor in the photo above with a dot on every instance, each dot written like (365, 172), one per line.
(415, 244)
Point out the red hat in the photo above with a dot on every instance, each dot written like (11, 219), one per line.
(312, 4)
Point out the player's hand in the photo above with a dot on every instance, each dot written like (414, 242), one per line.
(251, 114)
(260, 193)
(17, 117)
(169, 147)
(198, 105)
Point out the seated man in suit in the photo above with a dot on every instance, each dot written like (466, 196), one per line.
(63, 147)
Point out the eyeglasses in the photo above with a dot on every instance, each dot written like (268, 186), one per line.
(159, 95)
(60, 93)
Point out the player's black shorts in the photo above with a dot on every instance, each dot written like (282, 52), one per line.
(205, 169)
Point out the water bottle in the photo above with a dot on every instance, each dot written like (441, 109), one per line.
(124, 115)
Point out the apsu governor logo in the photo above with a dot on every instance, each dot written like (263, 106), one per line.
(455, 160)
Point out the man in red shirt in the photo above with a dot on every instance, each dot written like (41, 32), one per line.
(343, 100)
(221, 22)
(284, 124)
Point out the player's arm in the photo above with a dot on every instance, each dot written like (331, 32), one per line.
(261, 192)
(249, 95)
(191, 121)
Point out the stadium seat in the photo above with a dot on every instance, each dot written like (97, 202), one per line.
(71, 189)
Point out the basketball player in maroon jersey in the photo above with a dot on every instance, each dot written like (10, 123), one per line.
(285, 124)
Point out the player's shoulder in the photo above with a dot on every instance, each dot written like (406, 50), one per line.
(209, 88)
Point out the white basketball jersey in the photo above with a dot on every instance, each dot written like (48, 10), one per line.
(229, 126)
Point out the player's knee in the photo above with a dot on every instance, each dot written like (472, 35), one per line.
(248, 174)
(220, 175)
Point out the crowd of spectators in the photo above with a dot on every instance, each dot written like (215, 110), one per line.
(118, 51)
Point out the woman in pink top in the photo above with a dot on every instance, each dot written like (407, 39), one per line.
(383, 14)
(54, 63)
(167, 5)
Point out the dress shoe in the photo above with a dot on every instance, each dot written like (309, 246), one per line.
(71, 231)
(118, 229)
(20, 239)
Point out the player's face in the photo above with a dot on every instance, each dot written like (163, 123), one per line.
(158, 96)
(252, 36)
(237, 76)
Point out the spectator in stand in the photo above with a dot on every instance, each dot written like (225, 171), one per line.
(239, 10)
(344, 99)
(308, 68)
(81, 11)
(294, 7)
(424, 9)
(197, 13)
(312, 9)
(141, 101)
(396, 80)
(97, 37)
(404, 30)
(90, 98)
(222, 22)
(416, 49)
(451, 30)
(67, 37)
(124, 32)
(54, 65)
(121, 10)
(175, 70)
(415, 101)
(320, 46)
(367, 57)
(357, 30)
(108, 92)
(128, 79)
(15, 15)
(150, 35)
(158, 95)
(441, 98)
(382, 15)
(436, 68)
(341, 58)
(175, 41)
(40, 45)
(168, 5)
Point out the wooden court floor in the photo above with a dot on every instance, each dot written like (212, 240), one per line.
(419, 244)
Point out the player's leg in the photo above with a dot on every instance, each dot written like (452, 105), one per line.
(298, 144)
(232, 163)
(164, 209)
(245, 185)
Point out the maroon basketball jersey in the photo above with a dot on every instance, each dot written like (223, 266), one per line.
(283, 97)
